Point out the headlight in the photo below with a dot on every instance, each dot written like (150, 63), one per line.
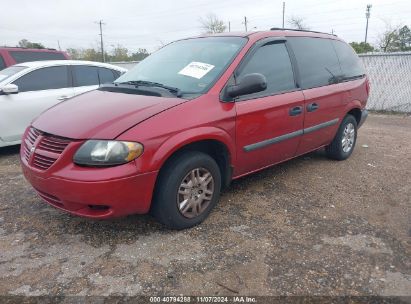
(107, 153)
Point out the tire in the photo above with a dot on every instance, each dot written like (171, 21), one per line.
(337, 149)
(173, 195)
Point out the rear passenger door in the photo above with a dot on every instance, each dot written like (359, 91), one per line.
(269, 123)
(319, 74)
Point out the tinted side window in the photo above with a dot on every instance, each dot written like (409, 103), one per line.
(85, 75)
(317, 61)
(106, 75)
(44, 79)
(25, 56)
(351, 65)
(2, 63)
(274, 63)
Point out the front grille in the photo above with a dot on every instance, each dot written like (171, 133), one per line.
(42, 162)
(47, 148)
(53, 144)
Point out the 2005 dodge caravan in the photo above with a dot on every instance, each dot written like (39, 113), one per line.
(167, 136)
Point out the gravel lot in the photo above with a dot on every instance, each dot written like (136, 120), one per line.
(310, 226)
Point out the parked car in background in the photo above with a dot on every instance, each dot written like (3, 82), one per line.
(13, 55)
(29, 88)
(170, 133)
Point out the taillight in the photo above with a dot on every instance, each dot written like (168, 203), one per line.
(367, 85)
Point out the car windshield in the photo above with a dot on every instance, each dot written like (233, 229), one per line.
(10, 71)
(191, 66)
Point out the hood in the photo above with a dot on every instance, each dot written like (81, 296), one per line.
(101, 114)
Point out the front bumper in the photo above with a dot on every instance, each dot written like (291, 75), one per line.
(95, 199)
(364, 115)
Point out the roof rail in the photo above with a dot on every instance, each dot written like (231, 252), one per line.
(298, 30)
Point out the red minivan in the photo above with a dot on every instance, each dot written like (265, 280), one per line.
(168, 135)
(12, 55)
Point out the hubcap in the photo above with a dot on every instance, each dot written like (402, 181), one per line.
(195, 192)
(348, 138)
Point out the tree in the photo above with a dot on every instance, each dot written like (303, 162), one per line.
(212, 25)
(119, 53)
(24, 43)
(404, 38)
(298, 23)
(139, 55)
(362, 47)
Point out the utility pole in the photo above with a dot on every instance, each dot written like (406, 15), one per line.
(283, 13)
(58, 43)
(245, 23)
(103, 57)
(367, 15)
(229, 26)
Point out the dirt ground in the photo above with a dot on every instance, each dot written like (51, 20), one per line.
(310, 226)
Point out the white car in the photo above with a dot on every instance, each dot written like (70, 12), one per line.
(27, 89)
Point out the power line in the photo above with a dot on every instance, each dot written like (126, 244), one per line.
(245, 23)
(103, 57)
(367, 15)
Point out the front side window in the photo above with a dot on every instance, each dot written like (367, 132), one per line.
(351, 65)
(44, 79)
(317, 61)
(26, 56)
(191, 65)
(85, 75)
(274, 63)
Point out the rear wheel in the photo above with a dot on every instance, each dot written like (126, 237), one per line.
(344, 141)
(187, 190)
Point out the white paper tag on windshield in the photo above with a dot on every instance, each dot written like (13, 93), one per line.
(196, 69)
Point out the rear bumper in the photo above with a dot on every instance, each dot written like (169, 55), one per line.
(364, 115)
(98, 199)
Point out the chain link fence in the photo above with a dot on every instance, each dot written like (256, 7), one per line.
(390, 77)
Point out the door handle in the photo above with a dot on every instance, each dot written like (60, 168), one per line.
(62, 98)
(312, 107)
(296, 111)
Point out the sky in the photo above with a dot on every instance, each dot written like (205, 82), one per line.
(150, 24)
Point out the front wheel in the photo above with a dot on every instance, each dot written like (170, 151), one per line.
(187, 189)
(344, 141)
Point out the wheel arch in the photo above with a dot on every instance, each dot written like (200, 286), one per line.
(354, 108)
(210, 140)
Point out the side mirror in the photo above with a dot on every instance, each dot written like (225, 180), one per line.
(9, 89)
(250, 83)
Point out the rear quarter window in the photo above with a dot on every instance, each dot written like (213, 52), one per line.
(317, 61)
(26, 56)
(351, 65)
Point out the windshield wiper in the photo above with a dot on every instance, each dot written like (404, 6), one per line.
(175, 91)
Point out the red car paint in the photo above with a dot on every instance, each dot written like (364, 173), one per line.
(8, 57)
(165, 125)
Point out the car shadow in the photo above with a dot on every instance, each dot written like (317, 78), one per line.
(10, 150)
